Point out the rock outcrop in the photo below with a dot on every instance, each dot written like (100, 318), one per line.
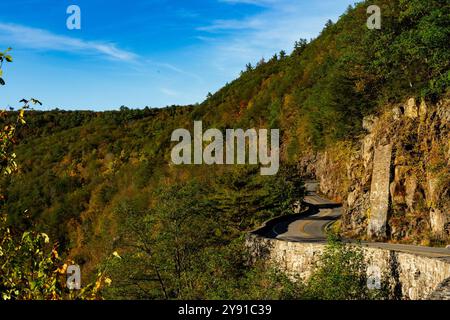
(379, 192)
(417, 194)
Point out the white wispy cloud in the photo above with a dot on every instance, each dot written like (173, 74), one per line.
(232, 43)
(169, 92)
(39, 39)
(229, 25)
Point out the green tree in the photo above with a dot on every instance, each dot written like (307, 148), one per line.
(30, 268)
(340, 274)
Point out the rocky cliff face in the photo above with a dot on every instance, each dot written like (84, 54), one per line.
(394, 182)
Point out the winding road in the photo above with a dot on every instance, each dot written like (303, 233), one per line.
(310, 226)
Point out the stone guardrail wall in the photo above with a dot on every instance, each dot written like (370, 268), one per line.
(442, 292)
(415, 277)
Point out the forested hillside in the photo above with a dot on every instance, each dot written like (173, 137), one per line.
(101, 182)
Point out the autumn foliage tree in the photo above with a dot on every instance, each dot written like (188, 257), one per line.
(30, 266)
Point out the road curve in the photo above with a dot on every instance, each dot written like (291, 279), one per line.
(310, 226)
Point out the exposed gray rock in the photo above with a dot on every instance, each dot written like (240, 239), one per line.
(432, 189)
(411, 109)
(352, 196)
(438, 220)
(396, 113)
(410, 189)
(367, 149)
(443, 112)
(423, 109)
(419, 181)
(379, 191)
(369, 122)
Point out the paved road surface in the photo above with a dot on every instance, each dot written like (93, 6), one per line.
(310, 227)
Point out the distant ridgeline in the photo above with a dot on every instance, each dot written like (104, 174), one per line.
(82, 172)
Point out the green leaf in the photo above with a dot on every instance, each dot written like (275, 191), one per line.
(8, 58)
(2, 82)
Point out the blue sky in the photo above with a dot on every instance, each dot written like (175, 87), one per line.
(145, 52)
